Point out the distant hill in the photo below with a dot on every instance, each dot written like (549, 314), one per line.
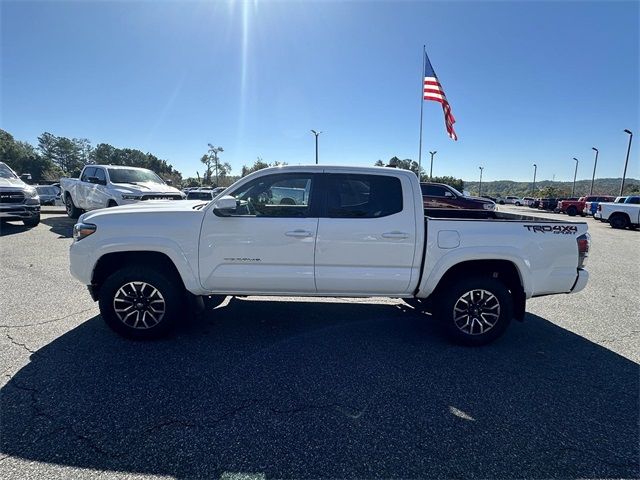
(602, 186)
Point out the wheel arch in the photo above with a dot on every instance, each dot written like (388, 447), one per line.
(503, 270)
(112, 262)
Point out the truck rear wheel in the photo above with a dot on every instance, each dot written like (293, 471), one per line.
(141, 303)
(72, 211)
(619, 220)
(572, 211)
(475, 310)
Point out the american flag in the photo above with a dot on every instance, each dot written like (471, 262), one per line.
(432, 90)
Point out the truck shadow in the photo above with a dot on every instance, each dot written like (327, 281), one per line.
(12, 228)
(60, 225)
(326, 390)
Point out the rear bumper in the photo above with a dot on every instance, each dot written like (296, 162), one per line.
(581, 281)
(19, 211)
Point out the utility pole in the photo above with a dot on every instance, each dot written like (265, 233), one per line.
(593, 177)
(431, 168)
(626, 162)
(480, 186)
(573, 190)
(317, 134)
(535, 170)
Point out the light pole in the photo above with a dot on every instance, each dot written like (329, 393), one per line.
(593, 177)
(431, 168)
(573, 190)
(480, 186)
(316, 134)
(535, 170)
(626, 162)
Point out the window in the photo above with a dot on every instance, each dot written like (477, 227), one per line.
(88, 172)
(363, 196)
(130, 175)
(100, 175)
(280, 195)
(435, 191)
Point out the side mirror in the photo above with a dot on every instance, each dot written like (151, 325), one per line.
(25, 177)
(96, 180)
(448, 194)
(168, 181)
(225, 206)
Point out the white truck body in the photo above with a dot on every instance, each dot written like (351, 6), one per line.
(101, 186)
(400, 253)
(620, 215)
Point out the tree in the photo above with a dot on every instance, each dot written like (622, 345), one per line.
(23, 158)
(67, 154)
(456, 183)
(379, 163)
(211, 160)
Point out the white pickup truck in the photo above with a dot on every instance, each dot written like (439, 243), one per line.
(346, 232)
(620, 215)
(101, 186)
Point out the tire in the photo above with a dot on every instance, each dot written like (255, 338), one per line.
(491, 294)
(72, 211)
(619, 221)
(518, 204)
(151, 287)
(572, 211)
(31, 222)
(501, 202)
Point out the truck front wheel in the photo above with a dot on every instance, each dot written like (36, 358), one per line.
(72, 210)
(475, 310)
(141, 303)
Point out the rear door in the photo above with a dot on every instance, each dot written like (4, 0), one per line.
(267, 244)
(366, 235)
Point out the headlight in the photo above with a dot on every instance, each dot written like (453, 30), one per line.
(30, 192)
(489, 206)
(126, 196)
(82, 230)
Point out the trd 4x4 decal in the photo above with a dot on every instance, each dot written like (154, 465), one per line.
(557, 229)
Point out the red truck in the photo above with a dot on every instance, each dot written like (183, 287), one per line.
(572, 207)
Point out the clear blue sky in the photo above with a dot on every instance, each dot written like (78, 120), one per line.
(528, 82)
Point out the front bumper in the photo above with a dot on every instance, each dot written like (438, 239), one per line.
(581, 280)
(19, 211)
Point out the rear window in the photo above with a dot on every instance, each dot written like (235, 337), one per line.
(363, 196)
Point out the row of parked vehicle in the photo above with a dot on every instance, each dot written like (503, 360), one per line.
(619, 212)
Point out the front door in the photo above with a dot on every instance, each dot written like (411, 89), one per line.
(267, 244)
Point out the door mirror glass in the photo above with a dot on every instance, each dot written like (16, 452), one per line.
(225, 206)
(25, 177)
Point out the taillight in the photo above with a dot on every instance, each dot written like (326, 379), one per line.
(584, 243)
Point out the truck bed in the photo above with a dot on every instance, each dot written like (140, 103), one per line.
(460, 214)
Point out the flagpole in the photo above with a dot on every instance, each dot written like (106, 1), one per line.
(421, 109)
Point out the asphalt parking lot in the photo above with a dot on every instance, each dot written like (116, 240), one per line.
(336, 388)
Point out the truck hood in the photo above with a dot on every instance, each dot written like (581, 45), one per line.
(144, 187)
(12, 182)
(148, 207)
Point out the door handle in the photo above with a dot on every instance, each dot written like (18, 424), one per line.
(299, 233)
(398, 235)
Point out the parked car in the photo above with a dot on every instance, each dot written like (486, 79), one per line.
(509, 199)
(439, 195)
(101, 186)
(573, 207)
(48, 194)
(549, 204)
(591, 206)
(535, 203)
(527, 201)
(621, 215)
(204, 193)
(358, 232)
(18, 201)
(563, 204)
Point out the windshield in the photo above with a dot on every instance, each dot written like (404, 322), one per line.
(126, 175)
(6, 172)
(457, 192)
